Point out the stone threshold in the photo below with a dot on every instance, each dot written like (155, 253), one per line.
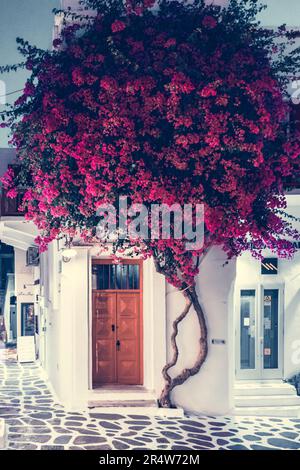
(128, 399)
(125, 396)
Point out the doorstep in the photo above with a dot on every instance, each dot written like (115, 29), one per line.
(128, 400)
(112, 396)
(266, 398)
(2, 434)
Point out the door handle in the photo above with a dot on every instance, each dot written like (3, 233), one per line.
(113, 327)
(118, 344)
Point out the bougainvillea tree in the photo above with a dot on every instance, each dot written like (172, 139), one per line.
(168, 103)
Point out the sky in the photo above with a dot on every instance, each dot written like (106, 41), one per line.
(33, 20)
(281, 11)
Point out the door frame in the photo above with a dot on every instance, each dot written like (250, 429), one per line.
(259, 373)
(139, 262)
(42, 322)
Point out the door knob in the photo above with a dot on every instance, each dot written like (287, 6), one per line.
(113, 327)
(118, 344)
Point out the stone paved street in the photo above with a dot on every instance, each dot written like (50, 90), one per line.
(36, 421)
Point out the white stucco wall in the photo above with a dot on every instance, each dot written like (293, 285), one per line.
(154, 326)
(208, 391)
(52, 317)
(73, 331)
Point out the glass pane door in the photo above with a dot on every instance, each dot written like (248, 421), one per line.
(259, 334)
(271, 339)
(247, 330)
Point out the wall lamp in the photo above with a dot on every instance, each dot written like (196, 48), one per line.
(68, 254)
(68, 251)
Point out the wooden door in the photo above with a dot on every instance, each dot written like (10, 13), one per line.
(117, 337)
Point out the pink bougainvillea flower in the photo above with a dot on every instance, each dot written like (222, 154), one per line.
(118, 26)
(12, 193)
(7, 179)
(29, 89)
(170, 42)
(208, 91)
(59, 211)
(209, 22)
(148, 3)
(77, 76)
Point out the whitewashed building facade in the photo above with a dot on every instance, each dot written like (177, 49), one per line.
(103, 331)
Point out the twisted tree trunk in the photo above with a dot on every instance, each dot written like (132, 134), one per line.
(191, 300)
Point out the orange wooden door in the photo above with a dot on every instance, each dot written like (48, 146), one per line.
(104, 337)
(117, 326)
(128, 338)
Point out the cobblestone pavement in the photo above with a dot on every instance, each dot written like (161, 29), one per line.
(36, 421)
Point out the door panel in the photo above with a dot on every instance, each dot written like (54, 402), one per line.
(128, 333)
(104, 337)
(247, 334)
(270, 327)
(248, 327)
(272, 333)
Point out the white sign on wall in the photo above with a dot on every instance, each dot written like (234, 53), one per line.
(26, 349)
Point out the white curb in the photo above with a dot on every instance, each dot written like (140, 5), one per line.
(136, 410)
